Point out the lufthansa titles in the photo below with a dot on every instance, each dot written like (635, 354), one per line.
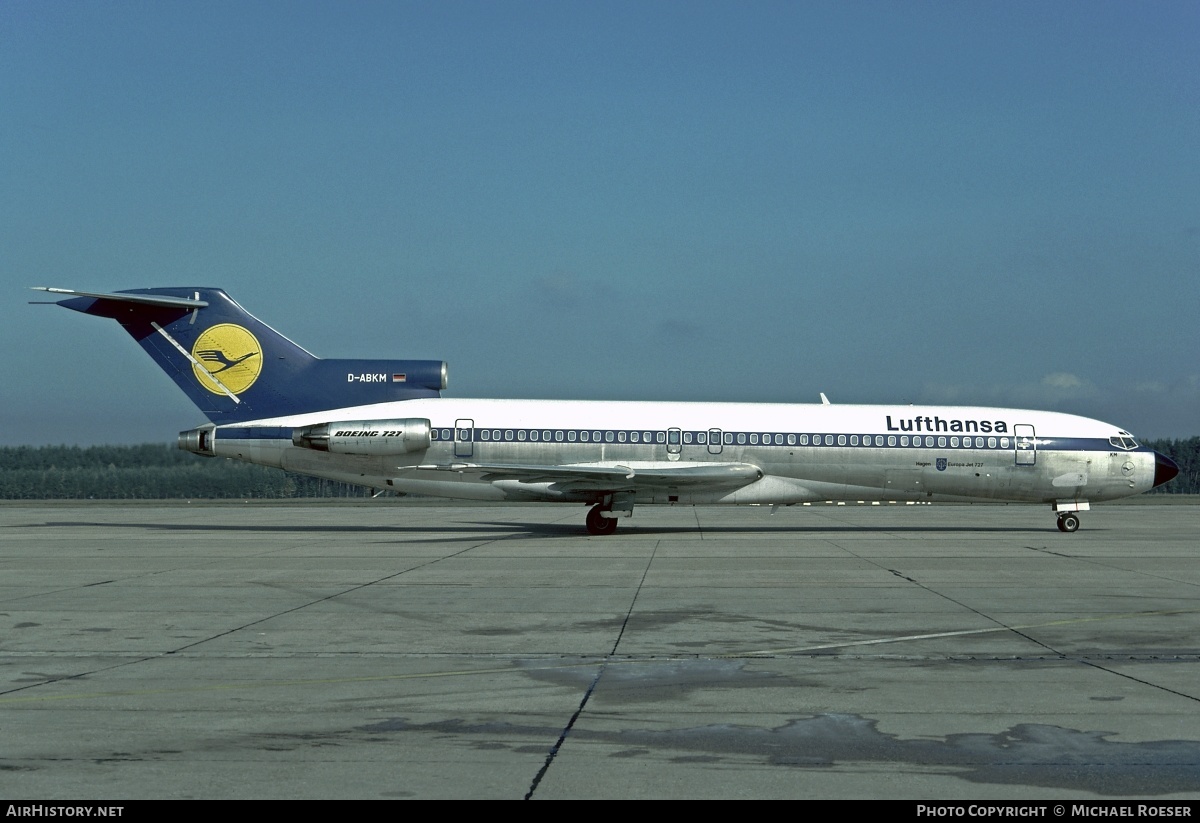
(938, 424)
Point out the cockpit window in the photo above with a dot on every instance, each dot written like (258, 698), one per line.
(1123, 440)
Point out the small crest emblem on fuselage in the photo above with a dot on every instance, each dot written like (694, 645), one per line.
(941, 464)
(228, 353)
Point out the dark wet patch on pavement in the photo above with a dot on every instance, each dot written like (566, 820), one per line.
(1027, 754)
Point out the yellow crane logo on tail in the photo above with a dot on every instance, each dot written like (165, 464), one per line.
(226, 355)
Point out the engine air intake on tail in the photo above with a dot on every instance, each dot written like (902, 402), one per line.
(381, 437)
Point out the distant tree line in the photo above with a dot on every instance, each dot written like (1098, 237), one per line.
(148, 472)
(156, 472)
(1186, 454)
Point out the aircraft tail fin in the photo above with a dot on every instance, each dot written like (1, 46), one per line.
(235, 368)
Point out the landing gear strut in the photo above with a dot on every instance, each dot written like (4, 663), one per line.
(1068, 522)
(597, 523)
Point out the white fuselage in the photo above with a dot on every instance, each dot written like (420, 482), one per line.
(805, 452)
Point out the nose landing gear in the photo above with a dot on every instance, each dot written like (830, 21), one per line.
(1068, 522)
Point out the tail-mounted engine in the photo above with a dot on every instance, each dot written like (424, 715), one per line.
(197, 441)
(381, 437)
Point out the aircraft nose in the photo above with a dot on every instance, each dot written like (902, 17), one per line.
(1164, 469)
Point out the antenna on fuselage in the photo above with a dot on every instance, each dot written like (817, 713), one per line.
(825, 400)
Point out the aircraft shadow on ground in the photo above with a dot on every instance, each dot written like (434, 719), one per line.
(545, 529)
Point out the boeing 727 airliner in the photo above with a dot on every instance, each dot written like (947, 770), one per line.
(384, 424)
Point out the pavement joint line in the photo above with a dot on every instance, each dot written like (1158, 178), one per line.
(562, 738)
(1141, 681)
(999, 623)
(334, 596)
(965, 632)
(1097, 561)
(193, 644)
(604, 661)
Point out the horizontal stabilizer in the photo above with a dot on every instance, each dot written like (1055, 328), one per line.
(141, 299)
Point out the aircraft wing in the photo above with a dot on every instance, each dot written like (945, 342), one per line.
(615, 477)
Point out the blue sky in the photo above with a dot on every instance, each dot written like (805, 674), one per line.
(978, 203)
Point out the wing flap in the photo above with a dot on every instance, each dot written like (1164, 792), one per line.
(616, 476)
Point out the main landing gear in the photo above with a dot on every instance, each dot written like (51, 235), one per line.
(1068, 522)
(597, 523)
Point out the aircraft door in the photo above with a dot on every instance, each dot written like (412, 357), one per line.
(674, 443)
(714, 441)
(1026, 444)
(463, 429)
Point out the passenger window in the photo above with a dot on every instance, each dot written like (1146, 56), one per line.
(433, 434)
(1004, 442)
(804, 440)
(754, 439)
(954, 442)
(583, 436)
(741, 438)
(521, 434)
(571, 436)
(687, 438)
(701, 437)
(841, 439)
(485, 435)
(829, 440)
(621, 437)
(991, 442)
(904, 440)
(445, 434)
(791, 439)
(596, 437)
(854, 440)
(728, 438)
(891, 439)
(647, 437)
(608, 437)
(779, 440)
(508, 434)
(634, 437)
(941, 442)
(558, 436)
(533, 435)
